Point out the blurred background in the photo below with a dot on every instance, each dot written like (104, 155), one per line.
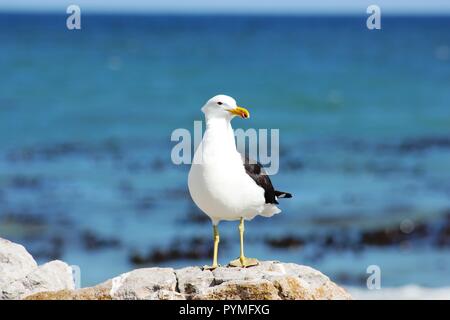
(364, 118)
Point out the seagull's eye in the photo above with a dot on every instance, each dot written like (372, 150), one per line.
(219, 103)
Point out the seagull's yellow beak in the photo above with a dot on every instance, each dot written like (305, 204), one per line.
(241, 112)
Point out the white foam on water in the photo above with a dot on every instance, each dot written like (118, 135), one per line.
(408, 292)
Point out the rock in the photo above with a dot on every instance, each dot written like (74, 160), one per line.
(84, 294)
(15, 262)
(194, 280)
(270, 280)
(241, 290)
(165, 295)
(264, 270)
(99, 292)
(290, 288)
(20, 276)
(290, 282)
(144, 284)
(52, 276)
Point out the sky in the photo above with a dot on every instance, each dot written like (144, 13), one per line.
(234, 6)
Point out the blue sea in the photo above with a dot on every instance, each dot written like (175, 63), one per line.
(86, 118)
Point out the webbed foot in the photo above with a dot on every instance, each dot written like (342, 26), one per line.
(244, 262)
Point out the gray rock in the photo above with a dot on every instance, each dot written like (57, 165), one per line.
(260, 289)
(264, 269)
(165, 295)
(15, 263)
(52, 276)
(21, 278)
(194, 280)
(308, 276)
(142, 284)
(268, 281)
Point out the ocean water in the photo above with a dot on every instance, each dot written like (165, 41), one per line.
(364, 117)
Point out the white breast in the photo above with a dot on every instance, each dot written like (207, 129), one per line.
(217, 181)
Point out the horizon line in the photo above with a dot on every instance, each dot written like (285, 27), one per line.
(348, 13)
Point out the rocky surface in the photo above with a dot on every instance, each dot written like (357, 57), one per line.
(15, 262)
(269, 281)
(21, 278)
(20, 275)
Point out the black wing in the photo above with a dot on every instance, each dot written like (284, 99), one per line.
(257, 173)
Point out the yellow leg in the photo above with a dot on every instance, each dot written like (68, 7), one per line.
(241, 236)
(216, 249)
(243, 261)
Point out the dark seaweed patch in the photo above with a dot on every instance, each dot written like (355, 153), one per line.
(190, 249)
(286, 242)
(92, 241)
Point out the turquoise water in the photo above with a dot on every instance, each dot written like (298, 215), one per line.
(364, 119)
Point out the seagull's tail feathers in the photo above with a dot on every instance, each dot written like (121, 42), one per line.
(270, 210)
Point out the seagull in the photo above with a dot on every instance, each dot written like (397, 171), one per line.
(226, 185)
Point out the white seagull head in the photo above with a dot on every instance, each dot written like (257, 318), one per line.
(222, 106)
